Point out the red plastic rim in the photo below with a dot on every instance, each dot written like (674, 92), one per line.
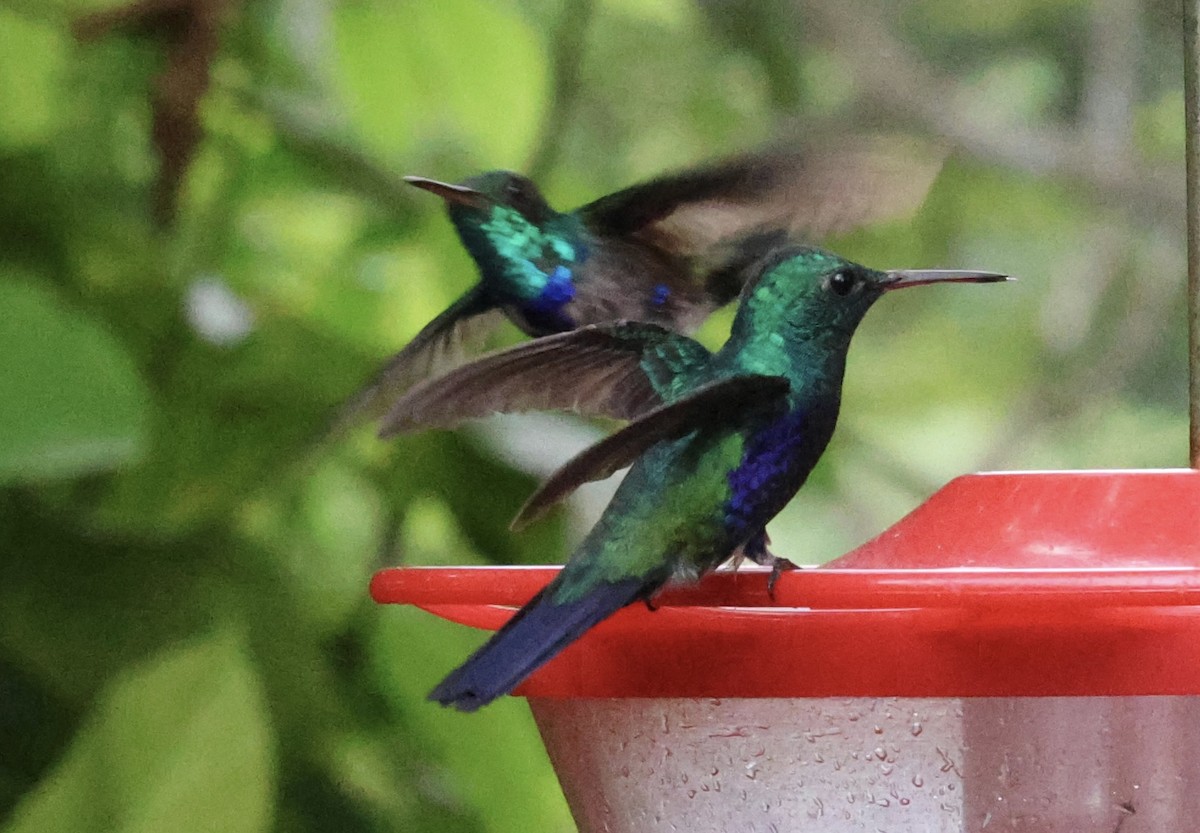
(1038, 583)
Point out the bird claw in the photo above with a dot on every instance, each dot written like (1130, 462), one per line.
(756, 550)
(778, 566)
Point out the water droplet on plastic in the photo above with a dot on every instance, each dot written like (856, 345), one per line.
(916, 729)
(904, 802)
(880, 753)
(877, 729)
(691, 793)
(918, 781)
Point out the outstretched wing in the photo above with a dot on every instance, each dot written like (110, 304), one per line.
(728, 400)
(618, 370)
(438, 345)
(805, 193)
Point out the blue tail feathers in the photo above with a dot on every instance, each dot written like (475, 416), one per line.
(529, 640)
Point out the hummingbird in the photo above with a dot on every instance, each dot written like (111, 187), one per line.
(668, 251)
(719, 442)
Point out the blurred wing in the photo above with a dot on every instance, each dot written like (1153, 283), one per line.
(822, 189)
(617, 370)
(440, 344)
(720, 403)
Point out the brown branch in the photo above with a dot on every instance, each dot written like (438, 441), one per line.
(895, 81)
(191, 33)
(567, 59)
(1191, 96)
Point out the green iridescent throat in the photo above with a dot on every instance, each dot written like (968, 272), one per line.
(521, 247)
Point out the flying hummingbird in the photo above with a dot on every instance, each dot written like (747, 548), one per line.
(668, 251)
(719, 443)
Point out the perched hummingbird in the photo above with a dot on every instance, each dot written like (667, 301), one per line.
(668, 251)
(720, 443)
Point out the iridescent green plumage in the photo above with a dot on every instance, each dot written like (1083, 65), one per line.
(720, 443)
(668, 251)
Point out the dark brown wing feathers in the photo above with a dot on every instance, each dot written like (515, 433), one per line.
(594, 371)
(811, 192)
(713, 404)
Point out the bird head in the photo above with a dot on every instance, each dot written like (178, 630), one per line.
(479, 195)
(805, 293)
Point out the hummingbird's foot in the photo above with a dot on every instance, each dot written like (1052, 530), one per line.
(778, 566)
(756, 550)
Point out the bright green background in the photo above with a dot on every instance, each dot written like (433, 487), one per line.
(185, 638)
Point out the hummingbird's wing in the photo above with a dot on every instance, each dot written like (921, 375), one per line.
(617, 370)
(439, 344)
(807, 194)
(722, 403)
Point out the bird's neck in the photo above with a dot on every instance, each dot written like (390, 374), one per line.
(813, 363)
(509, 248)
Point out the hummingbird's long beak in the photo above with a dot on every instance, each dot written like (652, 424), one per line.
(902, 278)
(459, 194)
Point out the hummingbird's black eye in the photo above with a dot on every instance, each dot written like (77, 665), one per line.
(841, 283)
(522, 195)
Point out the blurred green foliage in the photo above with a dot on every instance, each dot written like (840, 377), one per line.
(185, 638)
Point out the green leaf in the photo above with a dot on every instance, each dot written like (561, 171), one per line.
(414, 71)
(180, 743)
(57, 9)
(32, 65)
(494, 759)
(73, 401)
(325, 542)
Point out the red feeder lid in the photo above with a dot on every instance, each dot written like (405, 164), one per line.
(1006, 584)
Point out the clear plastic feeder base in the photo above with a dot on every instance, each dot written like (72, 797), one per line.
(906, 765)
